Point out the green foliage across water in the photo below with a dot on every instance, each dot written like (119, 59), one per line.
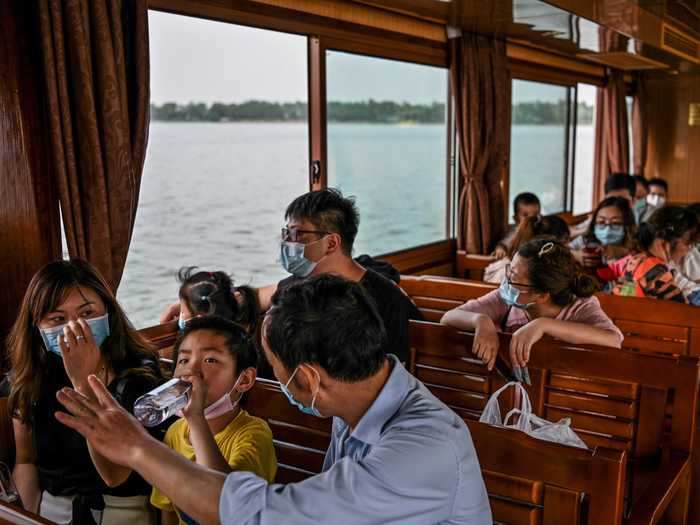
(383, 112)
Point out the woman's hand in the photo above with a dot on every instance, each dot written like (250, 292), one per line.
(486, 341)
(171, 313)
(522, 340)
(81, 356)
(499, 252)
(197, 398)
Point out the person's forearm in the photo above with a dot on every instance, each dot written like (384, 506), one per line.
(164, 468)
(206, 451)
(579, 333)
(26, 479)
(461, 319)
(112, 474)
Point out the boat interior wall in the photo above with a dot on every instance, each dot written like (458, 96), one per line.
(672, 151)
(29, 231)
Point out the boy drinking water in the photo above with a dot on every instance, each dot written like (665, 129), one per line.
(218, 359)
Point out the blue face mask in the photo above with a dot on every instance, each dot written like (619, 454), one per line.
(609, 233)
(509, 295)
(293, 259)
(181, 324)
(99, 326)
(312, 410)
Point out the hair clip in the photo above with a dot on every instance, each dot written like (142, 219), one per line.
(546, 248)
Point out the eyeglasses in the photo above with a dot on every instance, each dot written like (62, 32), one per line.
(602, 222)
(294, 234)
(508, 274)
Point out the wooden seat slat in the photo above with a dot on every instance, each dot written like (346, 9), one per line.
(299, 457)
(591, 386)
(595, 405)
(514, 513)
(584, 421)
(521, 489)
(472, 383)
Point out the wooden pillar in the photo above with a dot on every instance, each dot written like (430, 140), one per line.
(29, 216)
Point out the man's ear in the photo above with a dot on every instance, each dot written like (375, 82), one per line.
(247, 379)
(308, 378)
(334, 243)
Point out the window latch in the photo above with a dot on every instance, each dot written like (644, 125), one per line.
(315, 171)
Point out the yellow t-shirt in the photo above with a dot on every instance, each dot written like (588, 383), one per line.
(246, 443)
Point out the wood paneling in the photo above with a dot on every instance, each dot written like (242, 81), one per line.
(29, 224)
(674, 145)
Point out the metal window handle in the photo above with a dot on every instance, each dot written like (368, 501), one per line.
(315, 171)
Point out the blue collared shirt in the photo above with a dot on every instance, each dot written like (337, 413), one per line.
(410, 460)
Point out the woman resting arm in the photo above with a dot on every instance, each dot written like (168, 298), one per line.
(25, 474)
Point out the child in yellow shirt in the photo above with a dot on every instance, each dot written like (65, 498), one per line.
(218, 358)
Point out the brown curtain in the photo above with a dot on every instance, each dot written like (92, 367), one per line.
(481, 90)
(612, 134)
(96, 68)
(640, 132)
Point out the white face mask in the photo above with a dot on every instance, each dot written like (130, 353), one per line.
(656, 200)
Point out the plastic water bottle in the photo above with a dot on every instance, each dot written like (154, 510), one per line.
(154, 407)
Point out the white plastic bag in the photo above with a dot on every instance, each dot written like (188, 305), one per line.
(559, 432)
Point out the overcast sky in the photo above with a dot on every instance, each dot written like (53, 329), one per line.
(204, 61)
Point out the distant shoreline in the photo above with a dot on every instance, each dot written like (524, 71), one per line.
(363, 112)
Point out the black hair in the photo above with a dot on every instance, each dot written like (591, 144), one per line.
(641, 180)
(328, 321)
(669, 223)
(628, 220)
(695, 208)
(238, 342)
(329, 212)
(659, 182)
(551, 226)
(621, 181)
(525, 199)
(552, 269)
(213, 293)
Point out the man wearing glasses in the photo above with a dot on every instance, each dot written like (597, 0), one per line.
(318, 238)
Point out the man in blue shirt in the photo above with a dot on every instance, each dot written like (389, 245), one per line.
(397, 454)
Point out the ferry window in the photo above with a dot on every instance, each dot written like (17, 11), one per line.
(227, 151)
(585, 146)
(387, 144)
(538, 158)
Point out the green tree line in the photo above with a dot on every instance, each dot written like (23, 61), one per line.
(385, 112)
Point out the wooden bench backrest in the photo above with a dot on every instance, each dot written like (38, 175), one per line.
(300, 440)
(531, 481)
(7, 435)
(615, 398)
(471, 266)
(649, 325)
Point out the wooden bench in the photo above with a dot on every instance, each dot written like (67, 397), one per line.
(649, 325)
(11, 515)
(528, 480)
(615, 398)
(471, 266)
(531, 481)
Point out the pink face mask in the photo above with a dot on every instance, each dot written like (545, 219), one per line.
(221, 406)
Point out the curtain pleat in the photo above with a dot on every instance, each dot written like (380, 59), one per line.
(481, 90)
(96, 67)
(612, 133)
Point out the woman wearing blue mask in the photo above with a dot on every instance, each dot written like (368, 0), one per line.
(611, 234)
(543, 293)
(69, 327)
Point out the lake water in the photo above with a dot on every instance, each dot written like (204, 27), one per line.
(213, 195)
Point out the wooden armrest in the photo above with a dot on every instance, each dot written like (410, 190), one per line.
(653, 503)
(14, 515)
